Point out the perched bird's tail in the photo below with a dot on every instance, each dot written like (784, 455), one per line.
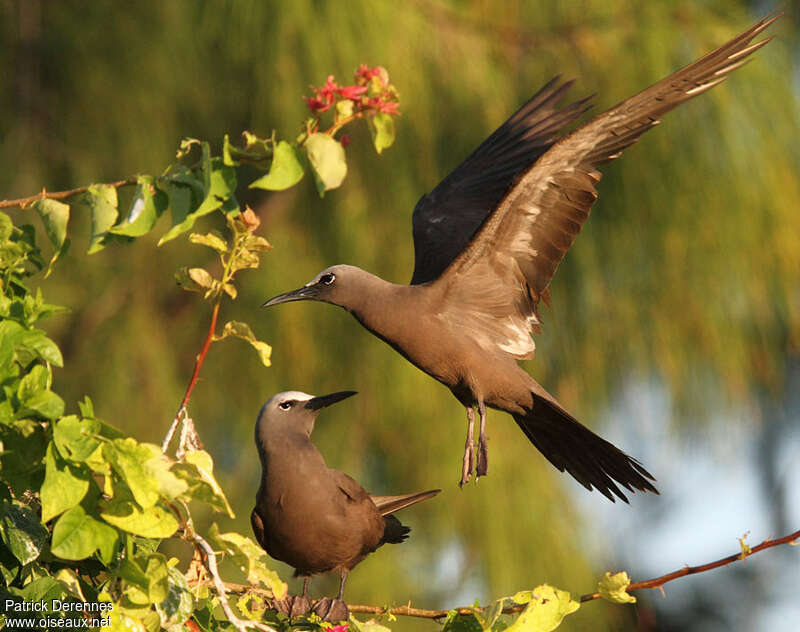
(395, 531)
(591, 460)
(390, 504)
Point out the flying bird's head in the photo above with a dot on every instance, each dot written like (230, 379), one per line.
(340, 285)
(292, 413)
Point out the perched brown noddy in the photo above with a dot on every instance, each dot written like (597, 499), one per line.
(487, 242)
(310, 516)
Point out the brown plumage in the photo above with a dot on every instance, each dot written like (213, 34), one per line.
(488, 240)
(308, 515)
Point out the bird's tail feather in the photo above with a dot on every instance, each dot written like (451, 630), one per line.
(570, 446)
(390, 504)
(395, 531)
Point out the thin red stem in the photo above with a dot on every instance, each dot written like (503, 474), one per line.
(212, 328)
(658, 582)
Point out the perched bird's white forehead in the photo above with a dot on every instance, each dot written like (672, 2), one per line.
(298, 396)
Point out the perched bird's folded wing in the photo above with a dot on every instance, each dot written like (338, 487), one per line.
(348, 486)
(258, 527)
(495, 284)
(389, 504)
(446, 219)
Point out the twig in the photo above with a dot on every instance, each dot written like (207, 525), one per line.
(60, 195)
(658, 582)
(408, 611)
(212, 328)
(211, 564)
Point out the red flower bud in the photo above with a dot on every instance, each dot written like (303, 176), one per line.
(351, 92)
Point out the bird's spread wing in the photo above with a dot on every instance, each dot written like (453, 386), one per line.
(495, 284)
(446, 219)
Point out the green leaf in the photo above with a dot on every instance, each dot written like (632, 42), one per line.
(197, 469)
(219, 183)
(37, 341)
(227, 152)
(545, 611)
(74, 437)
(381, 127)
(147, 576)
(34, 382)
(6, 227)
(213, 240)
(55, 216)
(103, 208)
(144, 469)
(248, 556)
(77, 535)
(242, 330)
(456, 622)
(64, 485)
(219, 186)
(21, 531)
(178, 605)
(368, 626)
(285, 171)
(129, 459)
(46, 404)
(180, 203)
(154, 522)
(11, 333)
(131, 572)
(257, 243)
(614, 587)
(328, 161)
(147, 206)
(201, 277)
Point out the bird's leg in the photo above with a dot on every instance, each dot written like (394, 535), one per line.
(342, 580)
(483, 444)
(468, 464)
(334, 609)
(294, 606)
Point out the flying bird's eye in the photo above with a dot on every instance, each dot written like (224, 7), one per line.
(285, 405)
(328, 278)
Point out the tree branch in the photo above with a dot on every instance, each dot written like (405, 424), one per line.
(60, 195)
(657, 582)
(211, 563)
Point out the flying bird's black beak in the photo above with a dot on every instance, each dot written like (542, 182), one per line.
(326, 400)
(304, 293)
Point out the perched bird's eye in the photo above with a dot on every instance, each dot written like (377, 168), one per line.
(328, 278)
(285, 405)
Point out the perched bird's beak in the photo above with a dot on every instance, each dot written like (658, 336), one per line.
(300, 294)
(326, 400)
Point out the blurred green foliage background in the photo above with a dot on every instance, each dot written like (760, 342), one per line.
(686, 276)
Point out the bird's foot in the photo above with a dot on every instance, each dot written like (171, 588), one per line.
(483, 457)
(332, 609)
(468, 464)
(293, 606)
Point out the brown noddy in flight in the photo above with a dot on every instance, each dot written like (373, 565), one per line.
(310, 516)
(487, 242)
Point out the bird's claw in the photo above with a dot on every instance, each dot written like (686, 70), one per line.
(293, 606)
(483, 457)
(332, 610)
(468, 466)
